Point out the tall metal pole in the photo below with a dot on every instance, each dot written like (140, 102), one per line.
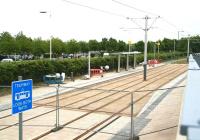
(119, 57)
(154, 50)
(20, 119)
(89, 64)
(158, 51)
(50, 39)
(134, 65)
(174, 47)
(50, 45)
(50, 48)
(57, 106)
(129, 50)
(132, 121)
(178, 35)
(145, 48)
(127, 62)
(129, 47)
(188, 49)
(57, 125)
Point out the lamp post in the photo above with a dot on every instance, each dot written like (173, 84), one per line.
(158, 43)
(179, 33)
(50, 40)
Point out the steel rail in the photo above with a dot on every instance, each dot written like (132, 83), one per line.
(40, 136)
(55, 109)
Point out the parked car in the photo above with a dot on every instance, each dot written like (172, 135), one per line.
(7, 60)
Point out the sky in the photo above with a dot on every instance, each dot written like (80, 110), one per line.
(69, 21)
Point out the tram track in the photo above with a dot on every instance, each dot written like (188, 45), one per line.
(83, 108)
(156, 79)
(86, 89)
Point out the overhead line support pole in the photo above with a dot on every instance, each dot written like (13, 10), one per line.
(145, 48)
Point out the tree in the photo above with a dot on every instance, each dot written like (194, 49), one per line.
(84, 47)
(167, 45)
(72, 46)
(122, 46)
(24, 43)
(104, 43)
(40, 47)
(57, 46)
(182, 45)
(94, 45)
(139, 46)
(7, 44)
(195, 44)
(112, 45)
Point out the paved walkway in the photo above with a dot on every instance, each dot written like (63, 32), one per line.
(159, 118)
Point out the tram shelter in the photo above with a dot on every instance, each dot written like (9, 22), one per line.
(119, 54)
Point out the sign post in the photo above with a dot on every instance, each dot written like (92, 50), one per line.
(21, 100)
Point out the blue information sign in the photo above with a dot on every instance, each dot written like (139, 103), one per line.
(21, 96)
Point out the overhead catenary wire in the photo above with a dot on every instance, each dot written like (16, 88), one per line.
(137, 9)
(95, 9)
(123, 16)
(104, 11)
(154, 21)
(171, 24)
(147, 12)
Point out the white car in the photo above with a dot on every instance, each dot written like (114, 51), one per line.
(7, 60)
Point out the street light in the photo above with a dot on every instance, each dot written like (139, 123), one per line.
(50, 40)
(129, 46)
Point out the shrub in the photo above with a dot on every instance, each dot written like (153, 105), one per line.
(36, 69)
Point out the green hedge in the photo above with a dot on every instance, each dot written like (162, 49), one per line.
(36, 69)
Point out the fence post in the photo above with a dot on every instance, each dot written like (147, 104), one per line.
(72, 76)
